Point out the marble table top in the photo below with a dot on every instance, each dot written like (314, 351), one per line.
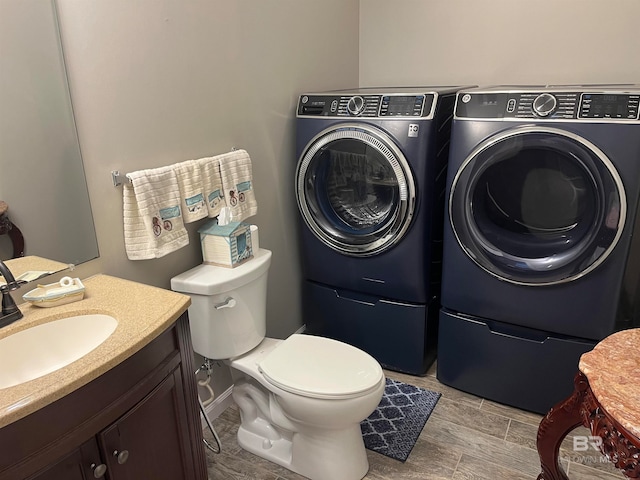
(613, 371)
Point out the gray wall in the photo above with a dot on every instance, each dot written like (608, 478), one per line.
(457, 42)
(157, 82)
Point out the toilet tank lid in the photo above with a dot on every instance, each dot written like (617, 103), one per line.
(213, 280)
(320, 367)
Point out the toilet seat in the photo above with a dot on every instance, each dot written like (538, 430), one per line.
(319, 367)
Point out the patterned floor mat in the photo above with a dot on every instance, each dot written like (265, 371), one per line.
(393, 428)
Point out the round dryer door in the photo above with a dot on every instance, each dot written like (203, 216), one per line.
(355, 189)
(537, 206)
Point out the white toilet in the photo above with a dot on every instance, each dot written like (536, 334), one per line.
(301, 399)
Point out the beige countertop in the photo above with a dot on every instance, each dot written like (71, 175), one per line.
(143, 312)
(613, 371)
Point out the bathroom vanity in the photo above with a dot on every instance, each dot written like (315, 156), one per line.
(127, 410)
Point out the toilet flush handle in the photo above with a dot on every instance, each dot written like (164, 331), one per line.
(229, 302)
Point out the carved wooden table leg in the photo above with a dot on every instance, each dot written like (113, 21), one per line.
(555, 426)
(619, 446)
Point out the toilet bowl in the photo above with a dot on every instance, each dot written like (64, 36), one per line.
(301, 399)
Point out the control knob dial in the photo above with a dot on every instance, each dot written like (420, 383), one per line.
(355, 105)
(544, 104)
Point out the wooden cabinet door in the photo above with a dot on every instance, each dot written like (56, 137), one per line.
(151, 441)
(80, 464)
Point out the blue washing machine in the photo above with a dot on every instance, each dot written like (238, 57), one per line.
(541, 238)
(370, 183)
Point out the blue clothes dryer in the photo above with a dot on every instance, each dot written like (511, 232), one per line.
(541, 238)
(370, 183)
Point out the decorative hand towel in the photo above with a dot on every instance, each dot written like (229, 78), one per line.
(235, 170)
(212, 184)
(191, 191)
(153, 225)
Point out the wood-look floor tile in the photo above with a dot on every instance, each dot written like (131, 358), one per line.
(511, 412)
(226, 466)
(458, 442)
(583, 472)
(482, 446)
(468, 415)
(472, 468)
(426, 461)
(523, 434)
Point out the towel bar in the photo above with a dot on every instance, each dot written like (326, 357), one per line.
(119, 179)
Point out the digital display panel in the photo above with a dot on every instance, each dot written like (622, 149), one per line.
(402, 105)
(608, 106)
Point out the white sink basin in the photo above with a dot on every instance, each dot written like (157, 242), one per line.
(42, 349)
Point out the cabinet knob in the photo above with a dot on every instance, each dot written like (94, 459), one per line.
(122, 456)
(98, 470)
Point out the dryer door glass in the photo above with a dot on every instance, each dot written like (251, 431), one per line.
(355, 190)
(537, 206)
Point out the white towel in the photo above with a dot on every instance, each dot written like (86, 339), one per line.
(153, 225)
(237, 181)
(191, 188)
(212, 184)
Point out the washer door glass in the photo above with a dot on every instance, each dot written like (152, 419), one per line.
(355, 190)
(537, 206)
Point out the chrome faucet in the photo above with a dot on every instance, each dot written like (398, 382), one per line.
(10, 311)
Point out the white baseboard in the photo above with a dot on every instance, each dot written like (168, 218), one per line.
(219, 405)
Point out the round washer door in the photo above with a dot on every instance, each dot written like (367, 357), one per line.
(355, 189)
(537, 206)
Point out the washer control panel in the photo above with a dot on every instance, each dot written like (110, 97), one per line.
(608, 105)
(372, 106)
(550, 105)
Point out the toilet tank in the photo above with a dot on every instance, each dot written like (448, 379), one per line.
(228, 306)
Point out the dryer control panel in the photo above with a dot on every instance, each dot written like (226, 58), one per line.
(549, 105)
(371, 106)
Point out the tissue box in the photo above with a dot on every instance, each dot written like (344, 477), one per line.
(225, 245)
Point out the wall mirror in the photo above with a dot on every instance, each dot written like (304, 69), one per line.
(42, 177)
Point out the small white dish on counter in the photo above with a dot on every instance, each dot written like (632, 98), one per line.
(65, 291)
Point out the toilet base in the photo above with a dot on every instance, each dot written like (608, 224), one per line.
(336, 455)
(318, 438)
